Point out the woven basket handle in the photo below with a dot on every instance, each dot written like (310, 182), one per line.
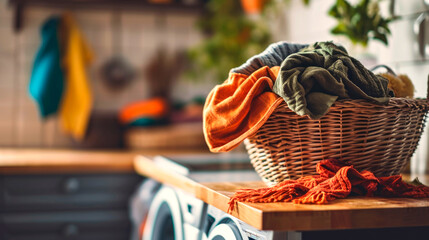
(389, 70)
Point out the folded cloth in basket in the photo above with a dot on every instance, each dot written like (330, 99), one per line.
(237, 108)
(311, 80)
(335, 180)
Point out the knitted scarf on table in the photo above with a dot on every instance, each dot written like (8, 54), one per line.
(335, 180)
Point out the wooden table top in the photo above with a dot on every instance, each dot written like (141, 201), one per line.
(350, 213)
(22, 161)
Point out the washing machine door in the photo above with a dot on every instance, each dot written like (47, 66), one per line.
(164, 220)
(225, 231)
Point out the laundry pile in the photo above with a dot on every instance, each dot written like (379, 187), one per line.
(308, 78)
(311, 80)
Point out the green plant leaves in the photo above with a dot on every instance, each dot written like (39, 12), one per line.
(360, 22)
(231, 39)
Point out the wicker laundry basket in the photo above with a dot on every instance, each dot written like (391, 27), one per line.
(379, 138)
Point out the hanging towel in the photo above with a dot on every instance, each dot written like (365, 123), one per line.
(237, 108)
(77, 100)
(335, 180)
(311, 80)
(47, 83)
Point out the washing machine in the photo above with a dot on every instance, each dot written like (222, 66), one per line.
(225, 227)
(175, 215)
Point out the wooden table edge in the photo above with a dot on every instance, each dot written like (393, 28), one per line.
(292, 220)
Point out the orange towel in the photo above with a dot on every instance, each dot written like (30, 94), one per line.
(335, 180)
(237, 108)
(154, 108)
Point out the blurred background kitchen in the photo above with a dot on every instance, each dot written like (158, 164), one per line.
(86, 85)
(168, 54)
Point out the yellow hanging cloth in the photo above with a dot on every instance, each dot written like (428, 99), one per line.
(77, 99)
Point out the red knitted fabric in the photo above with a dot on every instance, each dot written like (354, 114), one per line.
(335, 180)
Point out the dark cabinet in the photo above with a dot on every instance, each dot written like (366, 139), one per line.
(66, 206)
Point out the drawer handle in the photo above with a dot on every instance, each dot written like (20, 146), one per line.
(70, 230)
(71, 185)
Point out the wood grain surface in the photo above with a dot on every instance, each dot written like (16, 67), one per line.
(176, 136)
(22, 161)
(350, 213)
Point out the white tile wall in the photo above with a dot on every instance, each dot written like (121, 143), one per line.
(408, 7)
(404, 41)
(307, 24)
(140, 34)
(8, 81)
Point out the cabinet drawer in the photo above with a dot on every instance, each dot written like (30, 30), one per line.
(66, 191)
(80, 225)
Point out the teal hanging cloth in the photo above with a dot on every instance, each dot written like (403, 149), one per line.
(47, 81)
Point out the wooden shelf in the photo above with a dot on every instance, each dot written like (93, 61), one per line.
(196, 6)
(176, 136)
(30, 161)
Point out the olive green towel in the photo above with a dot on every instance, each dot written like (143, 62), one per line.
(311, 80)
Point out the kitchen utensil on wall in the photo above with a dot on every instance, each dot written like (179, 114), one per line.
(162, 71)
(117, 72)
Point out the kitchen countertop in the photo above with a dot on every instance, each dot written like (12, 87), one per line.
(21, 160)
(349, 213)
